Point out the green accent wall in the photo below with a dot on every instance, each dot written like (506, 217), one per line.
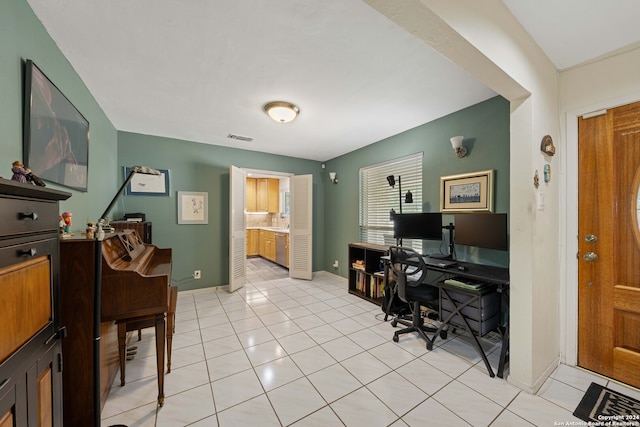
(203, 167)
(24, 37)
(485, 127)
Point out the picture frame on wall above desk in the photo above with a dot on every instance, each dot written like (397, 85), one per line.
(147, 185)
(467, 192)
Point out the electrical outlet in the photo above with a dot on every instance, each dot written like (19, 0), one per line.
(335, 264)
(197, 274)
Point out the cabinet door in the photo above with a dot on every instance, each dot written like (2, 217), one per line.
(251, 189)
(44, 388)
(287, 260)
(273, 188)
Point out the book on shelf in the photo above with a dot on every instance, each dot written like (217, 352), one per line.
(358, 264)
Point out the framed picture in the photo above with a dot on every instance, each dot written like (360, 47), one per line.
(147, 185)
(468, 192)
(56, 134)
(193, 207)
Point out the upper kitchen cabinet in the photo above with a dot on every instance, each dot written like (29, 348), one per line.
(263, 195)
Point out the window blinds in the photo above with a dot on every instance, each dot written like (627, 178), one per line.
(377, 197)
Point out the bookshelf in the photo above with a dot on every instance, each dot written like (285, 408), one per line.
(366, 271)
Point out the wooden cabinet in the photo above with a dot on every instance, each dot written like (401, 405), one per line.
(366, 271)
(287, 261)
(251, 202)
(253, 243)
(30, 351)
(263, 195)
(268, 245)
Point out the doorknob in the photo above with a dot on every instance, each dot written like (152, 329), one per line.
(590, 238)
(590, 257)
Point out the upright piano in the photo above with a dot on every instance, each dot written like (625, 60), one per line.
(135, 280)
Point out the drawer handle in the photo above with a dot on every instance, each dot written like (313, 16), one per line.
(29, 252)
(32, 215)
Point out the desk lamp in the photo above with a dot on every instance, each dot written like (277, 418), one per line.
(99, 236)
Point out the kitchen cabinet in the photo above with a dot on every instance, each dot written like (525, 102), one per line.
(268, 245)
(263, 195)
(253, 242)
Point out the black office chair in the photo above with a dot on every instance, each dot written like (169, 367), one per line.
(410, 271)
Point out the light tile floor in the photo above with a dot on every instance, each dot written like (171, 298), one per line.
(283, 352)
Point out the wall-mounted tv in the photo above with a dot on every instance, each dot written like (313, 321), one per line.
(56, 135)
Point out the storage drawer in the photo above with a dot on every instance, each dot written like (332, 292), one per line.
(483, 314)
(27, 216)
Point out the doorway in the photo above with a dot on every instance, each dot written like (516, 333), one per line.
(608, 283)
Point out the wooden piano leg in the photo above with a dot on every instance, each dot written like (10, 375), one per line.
(122, 348)
(171, 323)
(160, 343)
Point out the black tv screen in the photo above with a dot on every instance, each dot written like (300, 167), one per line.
(482, 230)
(56, 135)
(424, 226)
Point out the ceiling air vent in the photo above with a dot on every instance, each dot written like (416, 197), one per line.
(240, 137)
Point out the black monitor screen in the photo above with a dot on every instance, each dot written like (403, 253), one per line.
(425, 226)
(482, 230)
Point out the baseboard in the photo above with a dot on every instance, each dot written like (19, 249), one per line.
(533, 388)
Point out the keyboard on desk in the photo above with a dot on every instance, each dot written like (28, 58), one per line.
(439, 262)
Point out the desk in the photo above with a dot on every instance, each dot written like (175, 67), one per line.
(498, 277)
(462, 298)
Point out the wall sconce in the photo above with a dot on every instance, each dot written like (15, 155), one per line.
(281, 111)
(332, 177)
(456, 143)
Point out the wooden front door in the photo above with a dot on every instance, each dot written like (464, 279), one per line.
(609, 244)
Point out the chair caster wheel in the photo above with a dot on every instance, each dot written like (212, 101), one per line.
(429, 346)
(394, 323)
(443, 335)
(395, 338)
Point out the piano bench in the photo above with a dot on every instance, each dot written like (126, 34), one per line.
(139, 323)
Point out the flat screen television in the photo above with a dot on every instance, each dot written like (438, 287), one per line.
(482, 230)
(424, 226)
(56, 135)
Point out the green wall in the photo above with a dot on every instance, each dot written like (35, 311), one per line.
(485, 127)
(22, 37)
(202, 167)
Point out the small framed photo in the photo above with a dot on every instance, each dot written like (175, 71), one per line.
(193, 207)
(468, 192)
(147, 185)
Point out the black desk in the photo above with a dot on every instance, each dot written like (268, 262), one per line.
(498, 277)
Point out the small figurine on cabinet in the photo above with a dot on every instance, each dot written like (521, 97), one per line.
(90, 231)
(66, 217)
(23, 174)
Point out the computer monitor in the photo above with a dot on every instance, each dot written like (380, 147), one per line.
(424, 226)
(482, 230)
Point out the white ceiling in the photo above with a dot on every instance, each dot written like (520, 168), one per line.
(199, 70)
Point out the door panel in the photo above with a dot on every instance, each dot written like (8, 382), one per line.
(237, 229)
(300, 232)
(609, 244)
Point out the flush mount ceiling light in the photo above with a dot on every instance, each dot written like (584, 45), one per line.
(281, 111)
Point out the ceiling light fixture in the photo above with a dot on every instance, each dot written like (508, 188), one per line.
(281, 111)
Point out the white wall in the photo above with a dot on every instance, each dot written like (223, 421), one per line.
(485, 39)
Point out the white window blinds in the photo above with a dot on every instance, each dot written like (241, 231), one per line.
(377, 197)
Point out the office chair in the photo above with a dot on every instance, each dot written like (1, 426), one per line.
(410, 271)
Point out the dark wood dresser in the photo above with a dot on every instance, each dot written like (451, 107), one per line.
(30, 352)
